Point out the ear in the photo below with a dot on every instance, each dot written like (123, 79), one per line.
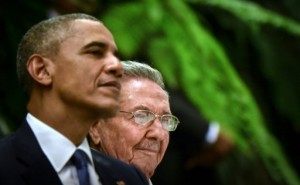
(40, 69)
(94, 133)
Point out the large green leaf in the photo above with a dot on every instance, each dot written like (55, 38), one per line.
(253, 14)
(191, 58)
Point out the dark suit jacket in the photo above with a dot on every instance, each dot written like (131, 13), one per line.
(22, 162)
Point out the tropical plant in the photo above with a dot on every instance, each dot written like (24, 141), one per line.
(177, 41)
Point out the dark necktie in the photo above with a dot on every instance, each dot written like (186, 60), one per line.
(80, 160)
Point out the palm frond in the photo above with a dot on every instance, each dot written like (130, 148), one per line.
(253, 14)
(190, 57)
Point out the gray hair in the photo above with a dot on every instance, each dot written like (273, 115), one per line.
(44, 38)
(133, 69)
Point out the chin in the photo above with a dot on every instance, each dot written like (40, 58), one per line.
(145, 169)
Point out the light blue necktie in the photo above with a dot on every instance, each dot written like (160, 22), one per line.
(80, 160)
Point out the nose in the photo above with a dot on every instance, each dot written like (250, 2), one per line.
(157, 131)
(114, 67)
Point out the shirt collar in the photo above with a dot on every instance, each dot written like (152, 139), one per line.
(56, 146)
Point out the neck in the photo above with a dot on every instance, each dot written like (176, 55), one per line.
(73, 124)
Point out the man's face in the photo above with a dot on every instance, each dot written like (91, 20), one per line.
(86, 70)
(121, 137)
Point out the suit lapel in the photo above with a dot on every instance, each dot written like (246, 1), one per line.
(115, 172)
(34, 165)
(101, 169)
(106, 170)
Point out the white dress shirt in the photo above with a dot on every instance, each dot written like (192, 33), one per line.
(59, 151)
(150, 182)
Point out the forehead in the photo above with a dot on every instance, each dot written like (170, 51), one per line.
(86, 31)
(143, 92)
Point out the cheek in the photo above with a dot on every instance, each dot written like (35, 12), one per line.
(165, 144)
(120, 139)
(131, 140)
(166, 141)
(132, 137)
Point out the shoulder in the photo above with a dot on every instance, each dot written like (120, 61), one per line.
(112, 170)
(9, 167)
(6, 146)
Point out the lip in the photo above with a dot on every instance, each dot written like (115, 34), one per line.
(148, 150)
(114, 84)
(153, 149)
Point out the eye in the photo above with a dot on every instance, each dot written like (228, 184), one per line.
(96, 53)
(165, 119)
(143, 117)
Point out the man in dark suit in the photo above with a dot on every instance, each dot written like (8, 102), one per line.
(69, 70)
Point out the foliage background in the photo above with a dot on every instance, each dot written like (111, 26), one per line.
(236, 60)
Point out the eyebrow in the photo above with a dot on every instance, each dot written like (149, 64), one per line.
(95, 44)
(142, 107)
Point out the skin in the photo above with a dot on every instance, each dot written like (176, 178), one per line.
(122, 138)
(80, 84)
